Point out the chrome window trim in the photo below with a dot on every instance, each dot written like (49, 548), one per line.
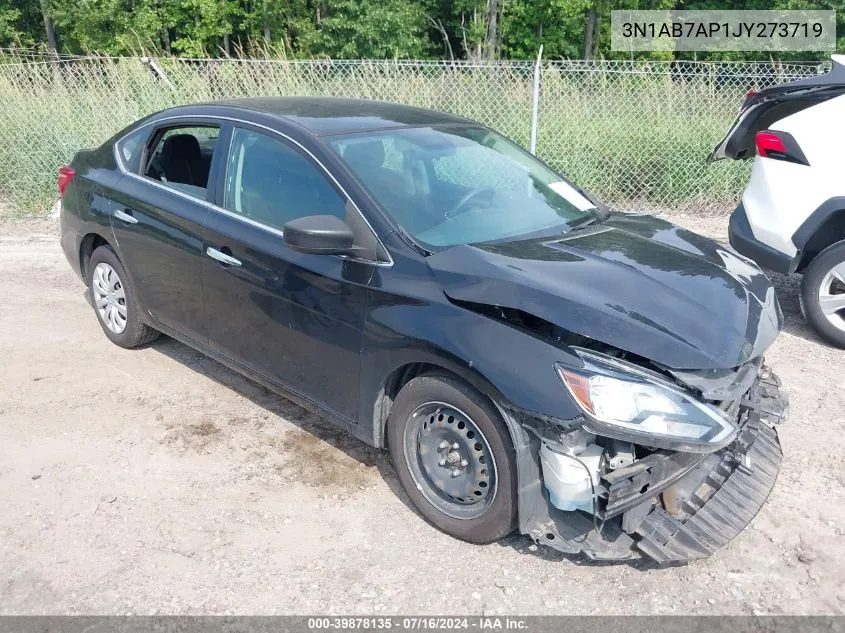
(236, 216)
(117, 157)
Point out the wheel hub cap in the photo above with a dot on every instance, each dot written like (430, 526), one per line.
(109, 297)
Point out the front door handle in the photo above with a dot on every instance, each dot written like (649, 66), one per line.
(126, 217)
(222, 257)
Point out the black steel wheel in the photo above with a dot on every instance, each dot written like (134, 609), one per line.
(450, 460)
(453, 456)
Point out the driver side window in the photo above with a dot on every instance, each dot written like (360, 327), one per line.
(272, 183)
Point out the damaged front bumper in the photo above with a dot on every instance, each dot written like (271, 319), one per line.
(669, 506)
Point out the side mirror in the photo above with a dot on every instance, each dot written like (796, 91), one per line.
(319, 234)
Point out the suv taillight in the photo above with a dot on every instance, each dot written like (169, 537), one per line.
(66, 174)
(769, 142)
(779, 146)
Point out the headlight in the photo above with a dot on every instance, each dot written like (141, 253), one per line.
(624, 402)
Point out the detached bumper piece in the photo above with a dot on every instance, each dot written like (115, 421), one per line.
(732, 493)
(740, 483)
(676, 507)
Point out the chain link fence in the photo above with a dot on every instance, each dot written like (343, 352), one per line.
(636, 134)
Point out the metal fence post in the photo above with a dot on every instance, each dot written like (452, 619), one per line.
(148, 61)
(535, 101)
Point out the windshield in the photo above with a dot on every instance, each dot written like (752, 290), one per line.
(461, 185)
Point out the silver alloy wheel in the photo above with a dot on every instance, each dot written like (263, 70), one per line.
(832, 296)
(450, 460)
(109, 297)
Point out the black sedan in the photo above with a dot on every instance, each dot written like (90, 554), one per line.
(531, 360)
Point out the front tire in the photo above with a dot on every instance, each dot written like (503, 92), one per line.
(823, 294)
(115, 301)
(453, 456)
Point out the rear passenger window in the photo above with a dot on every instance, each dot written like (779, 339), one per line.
(130, 148)
(182, 157)
(270, 182)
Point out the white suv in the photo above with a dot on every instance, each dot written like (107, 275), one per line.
(792, 214)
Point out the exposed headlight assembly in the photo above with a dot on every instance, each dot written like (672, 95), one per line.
(622, 401)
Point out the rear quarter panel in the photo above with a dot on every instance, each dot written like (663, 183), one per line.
(85, 204)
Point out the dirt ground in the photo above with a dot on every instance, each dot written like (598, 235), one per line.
(157, 481)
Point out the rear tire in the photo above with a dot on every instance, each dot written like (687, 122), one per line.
(115, 301)
(453, 456)
(821, 287)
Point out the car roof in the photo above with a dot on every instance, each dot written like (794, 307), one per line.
(325, 115)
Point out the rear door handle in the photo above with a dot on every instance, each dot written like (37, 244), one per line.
(222, 257)
(126, 217)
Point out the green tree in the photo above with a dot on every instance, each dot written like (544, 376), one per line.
(20, 24)
(10, 32)
(202, 25)
(477, 29)
(461, 23)
(558, 25)
(350, 29)
(278, 23)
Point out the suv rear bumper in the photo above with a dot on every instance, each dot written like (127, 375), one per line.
(742, 239)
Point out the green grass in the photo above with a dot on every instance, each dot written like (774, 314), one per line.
(642, 142)
(637, 140)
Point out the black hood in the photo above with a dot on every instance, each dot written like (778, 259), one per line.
(638, 283)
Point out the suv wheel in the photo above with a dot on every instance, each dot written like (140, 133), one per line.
(823, 294)
(453, 456)
(115, 301)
